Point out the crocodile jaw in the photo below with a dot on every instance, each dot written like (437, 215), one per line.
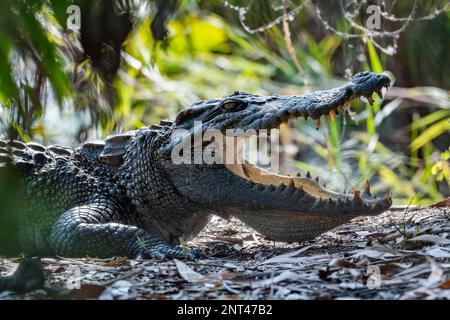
(258, 175)
(280, 207)
(304, 222)
(265, 177)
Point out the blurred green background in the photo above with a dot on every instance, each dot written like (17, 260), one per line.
(134, 62)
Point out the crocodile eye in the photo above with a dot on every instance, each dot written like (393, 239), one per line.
(233, 105)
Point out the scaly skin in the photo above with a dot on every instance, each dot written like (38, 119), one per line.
(126, 197)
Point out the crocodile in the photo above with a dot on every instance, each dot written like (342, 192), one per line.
(126, 196)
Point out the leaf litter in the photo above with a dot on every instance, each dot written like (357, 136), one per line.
(397, 255)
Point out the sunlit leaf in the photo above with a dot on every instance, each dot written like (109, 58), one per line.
(374, 59)
(431, 133)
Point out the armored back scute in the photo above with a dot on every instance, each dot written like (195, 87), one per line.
(115, 148)
(91, 150)
(29, 156)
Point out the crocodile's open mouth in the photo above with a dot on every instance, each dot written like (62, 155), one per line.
(281, 207)
(306, 182)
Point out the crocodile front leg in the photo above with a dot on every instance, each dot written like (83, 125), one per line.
(91, 230)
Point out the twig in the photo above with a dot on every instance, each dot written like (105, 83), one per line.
(290, 47)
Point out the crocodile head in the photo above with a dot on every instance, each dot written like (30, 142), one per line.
(281, 207)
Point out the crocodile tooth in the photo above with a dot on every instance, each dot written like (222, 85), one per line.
(363, 99)
(356, 193)
(317, 122)
(379, 94)
(384, 90)
(367, 188)
(333, 115)
(347, 103)
(308, 174)
(288, 174)
(298, 174)
(387, 196)
(317, 179)
(291, 183)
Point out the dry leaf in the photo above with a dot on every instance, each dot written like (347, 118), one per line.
(116, 261)
(187, 273)
(118, 290)
(373, 253)
(87, 291)
(389, 268)
(324, 274)
(441, 204)
(445, 285)
(430, 238)
(438, 252)
(341, 263)
(287, 257)
(412, 272)
(285, 275)
(436, 273)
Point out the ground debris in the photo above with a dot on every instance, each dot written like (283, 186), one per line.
(397, 255)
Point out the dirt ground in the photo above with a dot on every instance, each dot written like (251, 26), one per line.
(402, 254)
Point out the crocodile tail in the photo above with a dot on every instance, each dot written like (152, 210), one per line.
(25, 157)
(15, 154)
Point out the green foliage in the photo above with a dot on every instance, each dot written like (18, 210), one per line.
(158, 84)
(441, 169)
(28, 58)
